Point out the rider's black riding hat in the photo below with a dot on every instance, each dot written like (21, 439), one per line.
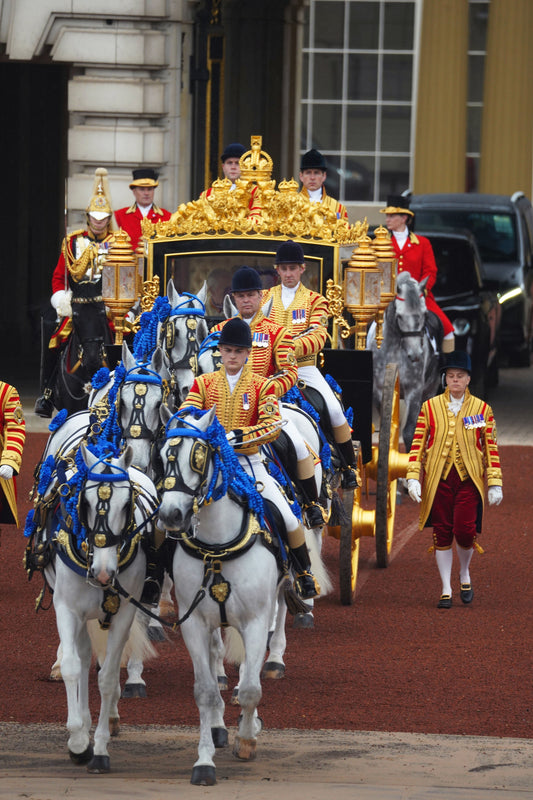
(246, 279)
(290, 252)
(236, 333)
(458, 359)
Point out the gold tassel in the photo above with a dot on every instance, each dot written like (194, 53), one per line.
(479, 548)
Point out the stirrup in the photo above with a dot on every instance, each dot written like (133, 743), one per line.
(151, 592)
(349, 479)
(314, 515)
(306, 585)
(44, 406)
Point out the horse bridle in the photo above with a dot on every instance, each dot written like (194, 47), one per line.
(199, 458)
(136, 427)
(167, 336)
(406, 334)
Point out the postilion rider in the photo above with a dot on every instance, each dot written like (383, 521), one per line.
(454, 449)
(246, 406)
(273, 357)
(304, 314)
(12, 438)
(83, 253)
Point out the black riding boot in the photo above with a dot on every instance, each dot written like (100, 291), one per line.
(349, 464)
(312, 509)
(44, 406)
(305, 581)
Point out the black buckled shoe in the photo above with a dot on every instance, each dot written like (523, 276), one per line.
(445, 601)
(349, 478)
(314, 516)
(44, 406)
(151, 592)
(467, 593)
(306, 585)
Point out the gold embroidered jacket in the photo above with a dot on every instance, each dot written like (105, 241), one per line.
(251, 409)
(306, 319)
(330, 203)
(272, 353)
(12, 438)
(437, 431)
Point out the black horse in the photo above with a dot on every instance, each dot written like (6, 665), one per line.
(86, 349)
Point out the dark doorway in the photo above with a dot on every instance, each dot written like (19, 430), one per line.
(33, 143)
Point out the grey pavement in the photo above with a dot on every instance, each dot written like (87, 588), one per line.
(154, 763)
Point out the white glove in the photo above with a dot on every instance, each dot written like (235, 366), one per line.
(61, 301)
(495, 495)
(6, 472)
(414, 489)
(130, 316)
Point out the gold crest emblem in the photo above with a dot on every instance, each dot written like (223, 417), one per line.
(111, 603)
(220, 591)
(135, 431)
(141, 388)
(99, 540)
(104, 492)
(169, 483)
(18, 414)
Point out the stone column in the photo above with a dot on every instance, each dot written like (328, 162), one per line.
(440, 149)
(507, 125)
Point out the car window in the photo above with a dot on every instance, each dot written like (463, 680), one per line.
(495, 232)
(456, 267)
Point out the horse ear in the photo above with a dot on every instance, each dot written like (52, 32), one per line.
(157, 360)
(208, 418)
(202, 330)
(165, 413)
(202, 294)
(423, 282)
(267, 308)
(229, 309)
(172, 294)
(126, 458)
(89, 458)
(127, 358)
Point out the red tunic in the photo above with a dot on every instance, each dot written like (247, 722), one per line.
(129, 219)
(76, 245)
(12, 437)
(416, 257)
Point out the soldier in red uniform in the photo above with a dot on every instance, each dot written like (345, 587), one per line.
(129, 219)
(246, 404)
(313, 174)
(12, 438)
(83, 253)
(273, 357)
(415, 255)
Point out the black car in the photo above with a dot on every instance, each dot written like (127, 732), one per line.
(503, 228)
(473, 310)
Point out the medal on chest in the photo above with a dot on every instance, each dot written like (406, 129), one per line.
(260, 339)
(298, 315)
(245, 401)
(474, 421)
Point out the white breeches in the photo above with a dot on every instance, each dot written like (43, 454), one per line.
(269, 488)
(296, 438)
(314, 378)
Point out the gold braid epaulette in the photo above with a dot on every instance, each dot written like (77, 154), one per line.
(78, 267)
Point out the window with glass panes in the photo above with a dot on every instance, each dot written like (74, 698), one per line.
(357, 94)
(478, 11)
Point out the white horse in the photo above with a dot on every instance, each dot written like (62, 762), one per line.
(116, 503)
(226, 561)
(407, 343)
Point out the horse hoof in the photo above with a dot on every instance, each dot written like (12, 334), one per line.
(203, 776)
(273, 670)
(55, 674)
(304, 620)
(156, 634)
(82, 758)
(235, 697)
(99, 765)
(223, 684)
(220, 737)
(114, 726)
(244, 749)
(134, 690)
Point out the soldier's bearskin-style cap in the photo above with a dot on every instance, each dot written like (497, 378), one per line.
(289, 252)
(144, 177)
(312, 160)
(236, 333)
(458, 359)
(246, 279)
(233, 150)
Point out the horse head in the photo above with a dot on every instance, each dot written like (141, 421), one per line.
(409, 309)
(182, 333)
(145, 387)
(106, 506)
(187, 456)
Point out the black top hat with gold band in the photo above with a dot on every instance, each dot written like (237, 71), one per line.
(144, 177)
(236, 333)
(397, 204)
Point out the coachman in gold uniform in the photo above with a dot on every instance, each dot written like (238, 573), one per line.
(247, 407)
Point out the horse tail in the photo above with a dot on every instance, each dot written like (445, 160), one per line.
(318, 567)
(138, 645)
(233, 646)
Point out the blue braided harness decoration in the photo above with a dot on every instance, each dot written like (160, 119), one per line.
(145, 340)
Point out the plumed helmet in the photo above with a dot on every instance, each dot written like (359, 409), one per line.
(397, 204)
(312, 160)
(233, 150)
(246, 279)
(144, 177)
(236, 333)
(99, 205)
(458, 359)
(289, 252)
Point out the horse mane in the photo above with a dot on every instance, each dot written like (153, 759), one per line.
(410, 290)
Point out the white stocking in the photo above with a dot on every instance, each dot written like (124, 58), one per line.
(464, 563)
(444, 559)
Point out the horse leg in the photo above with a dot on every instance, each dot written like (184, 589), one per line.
(138, 649)
(217, 655)
(274, 666)
(413, 403)
(250, 690)
(207, 696)
(75, 663)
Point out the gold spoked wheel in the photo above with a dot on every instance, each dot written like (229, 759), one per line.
(350, 533)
